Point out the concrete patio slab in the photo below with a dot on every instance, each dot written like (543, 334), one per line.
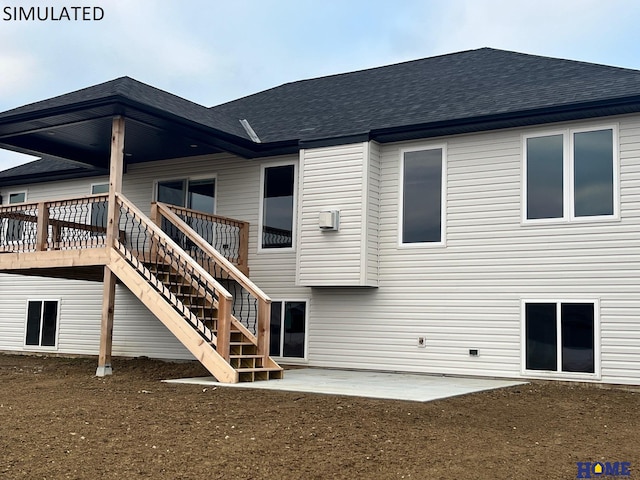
(392, 386)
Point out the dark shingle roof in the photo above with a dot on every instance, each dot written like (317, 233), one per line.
(465, 85)
(47, 168)
(466, 91)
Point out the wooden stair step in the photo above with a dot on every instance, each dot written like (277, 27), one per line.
(233, 332)
(190, 295)
(258, 369)
(259, 373)
(195, 301)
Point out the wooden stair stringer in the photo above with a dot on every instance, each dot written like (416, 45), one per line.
(174, 321)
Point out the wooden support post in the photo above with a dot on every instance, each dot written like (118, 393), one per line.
(243, 250)
(263, 328)
(106, 328)
(115, 179)
(155, 214)
(224, 327)
(156, 218)
(42, 229)
(116, 163)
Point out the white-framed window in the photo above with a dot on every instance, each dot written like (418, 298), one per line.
(99, 210)
(278, 183)
(288, 338)
(571, 175)
(14, 231)
(560, 338)
(41, 327)
(423, 184)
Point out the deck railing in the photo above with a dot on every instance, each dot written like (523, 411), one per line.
(251, 306)
(227, 235)
(76, 223)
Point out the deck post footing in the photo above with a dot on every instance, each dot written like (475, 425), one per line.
(104, 371)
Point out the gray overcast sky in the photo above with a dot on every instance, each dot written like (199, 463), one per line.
(213, 51)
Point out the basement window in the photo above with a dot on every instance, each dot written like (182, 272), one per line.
(42, 323)
(560, 337)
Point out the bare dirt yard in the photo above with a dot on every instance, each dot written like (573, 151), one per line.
(58, 421)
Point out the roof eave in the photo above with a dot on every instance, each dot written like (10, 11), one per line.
(554, 114)
(52, 177)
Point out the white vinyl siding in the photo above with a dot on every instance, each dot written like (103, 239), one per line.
(467, 295)
(338, 178)
(372, 225)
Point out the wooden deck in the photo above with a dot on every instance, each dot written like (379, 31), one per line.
(174, 273)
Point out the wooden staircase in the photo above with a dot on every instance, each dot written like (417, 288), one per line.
(243, 356)
(183, 293)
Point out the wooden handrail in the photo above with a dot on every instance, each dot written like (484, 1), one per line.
(56, 203)
(209, 216)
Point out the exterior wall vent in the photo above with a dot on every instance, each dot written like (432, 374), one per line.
(329, 220)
